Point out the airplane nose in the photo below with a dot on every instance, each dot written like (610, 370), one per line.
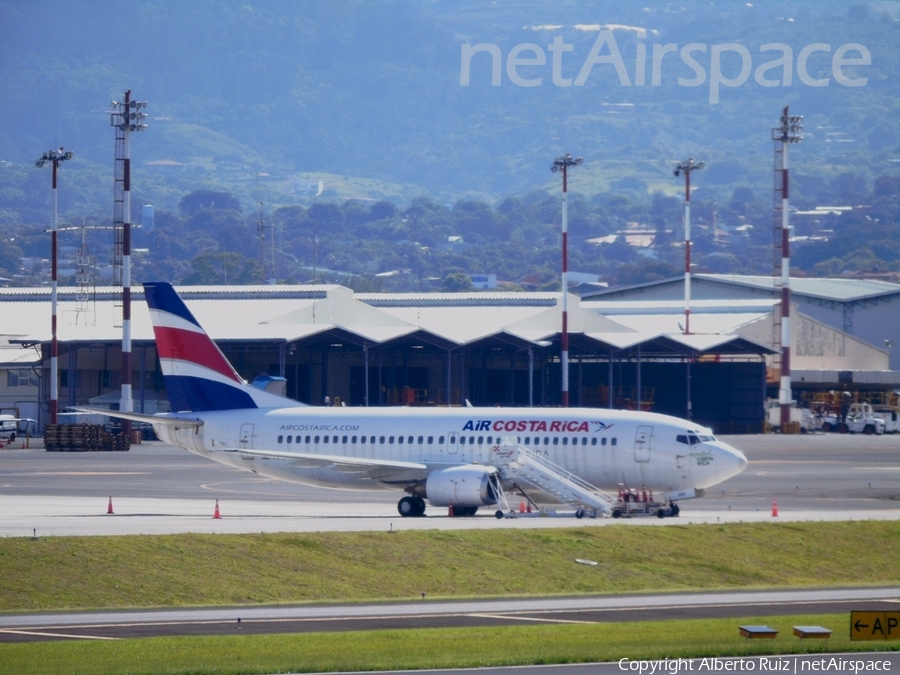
(731, 461)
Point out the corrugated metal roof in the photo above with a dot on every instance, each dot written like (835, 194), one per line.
(710, 324)
(278, 314)
(625, 307)
(826, 288)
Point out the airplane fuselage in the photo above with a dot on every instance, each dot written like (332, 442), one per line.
(606, 448)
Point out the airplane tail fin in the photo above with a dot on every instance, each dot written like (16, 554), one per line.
(197, 375)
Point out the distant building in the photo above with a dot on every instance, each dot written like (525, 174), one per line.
(309, 187)
(484, 282)
(148, 218)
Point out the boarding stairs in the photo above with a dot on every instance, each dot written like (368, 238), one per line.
(521, 463)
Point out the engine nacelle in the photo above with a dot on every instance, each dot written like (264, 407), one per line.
(463, 486)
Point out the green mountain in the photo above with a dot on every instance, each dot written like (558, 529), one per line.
(448, 100)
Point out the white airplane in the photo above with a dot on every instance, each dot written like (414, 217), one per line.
(466, 458)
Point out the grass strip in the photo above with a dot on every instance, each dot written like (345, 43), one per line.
(425, 648)
(191, 569)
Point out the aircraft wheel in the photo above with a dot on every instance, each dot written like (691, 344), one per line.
(465, 510)
(579, 514)
(409, 508)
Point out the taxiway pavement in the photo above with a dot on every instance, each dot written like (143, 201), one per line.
(111, 625)
(160, 489)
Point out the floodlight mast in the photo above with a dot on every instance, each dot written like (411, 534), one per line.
(56, 157)
(789, 131)
(686, 168)
(562, 164)
(126, 117)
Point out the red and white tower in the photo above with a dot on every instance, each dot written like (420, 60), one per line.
(686, 168)
(55, 157)
(125, 118)
(789, 131)
(562, 164)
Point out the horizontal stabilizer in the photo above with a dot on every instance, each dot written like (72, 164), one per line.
(171, 422)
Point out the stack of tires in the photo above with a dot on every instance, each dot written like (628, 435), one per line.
(82, 438)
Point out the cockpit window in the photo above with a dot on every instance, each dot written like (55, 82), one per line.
(694, 438)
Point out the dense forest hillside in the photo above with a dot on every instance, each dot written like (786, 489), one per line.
(439, 119)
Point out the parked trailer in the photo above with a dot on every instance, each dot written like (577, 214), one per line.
(890, 416)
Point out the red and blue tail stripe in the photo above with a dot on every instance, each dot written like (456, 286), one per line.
(198, 377)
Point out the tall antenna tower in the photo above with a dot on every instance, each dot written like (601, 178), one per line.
(261, 231)
(85, 284)
(125, 117)
(789, 131)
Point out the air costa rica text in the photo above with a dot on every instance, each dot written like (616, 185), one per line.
(557, 426)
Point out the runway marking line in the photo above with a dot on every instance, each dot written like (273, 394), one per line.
(514, 615)
(60, 635)
(526, 618)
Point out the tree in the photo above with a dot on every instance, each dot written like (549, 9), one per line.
(456, 282)
(10, 256)
(223, 268)
(199, 200)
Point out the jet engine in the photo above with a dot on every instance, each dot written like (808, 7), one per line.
(464, 486)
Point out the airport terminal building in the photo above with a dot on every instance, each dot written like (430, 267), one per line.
(327, 343)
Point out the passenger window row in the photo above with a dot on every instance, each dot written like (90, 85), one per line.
(463, 440)
(371, 440)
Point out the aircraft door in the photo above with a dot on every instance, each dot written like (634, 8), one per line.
(642, 441)
(453, 443)
(246, 436)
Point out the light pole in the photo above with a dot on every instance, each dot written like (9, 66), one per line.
(562, 164)
(55, 157)
(126, 117)
(789, 131)
(686, 168)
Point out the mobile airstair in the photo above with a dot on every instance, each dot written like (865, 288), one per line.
(517, 462)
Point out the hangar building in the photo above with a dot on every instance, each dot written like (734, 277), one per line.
(626, 348)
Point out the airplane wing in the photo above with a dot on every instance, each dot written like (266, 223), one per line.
(313, 460)
(173, 422)
(384, 471)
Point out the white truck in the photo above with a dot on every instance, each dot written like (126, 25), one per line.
(802, 416)
(891, 417)
(12, 427)
(861, 419)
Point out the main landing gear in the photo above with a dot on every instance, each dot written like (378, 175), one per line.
(414, 507)
(411, 507)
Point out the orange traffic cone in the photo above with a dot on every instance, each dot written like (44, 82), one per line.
(450, 510)
(775, 507)
(216, 514)
(522, 507)
(109, 508)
